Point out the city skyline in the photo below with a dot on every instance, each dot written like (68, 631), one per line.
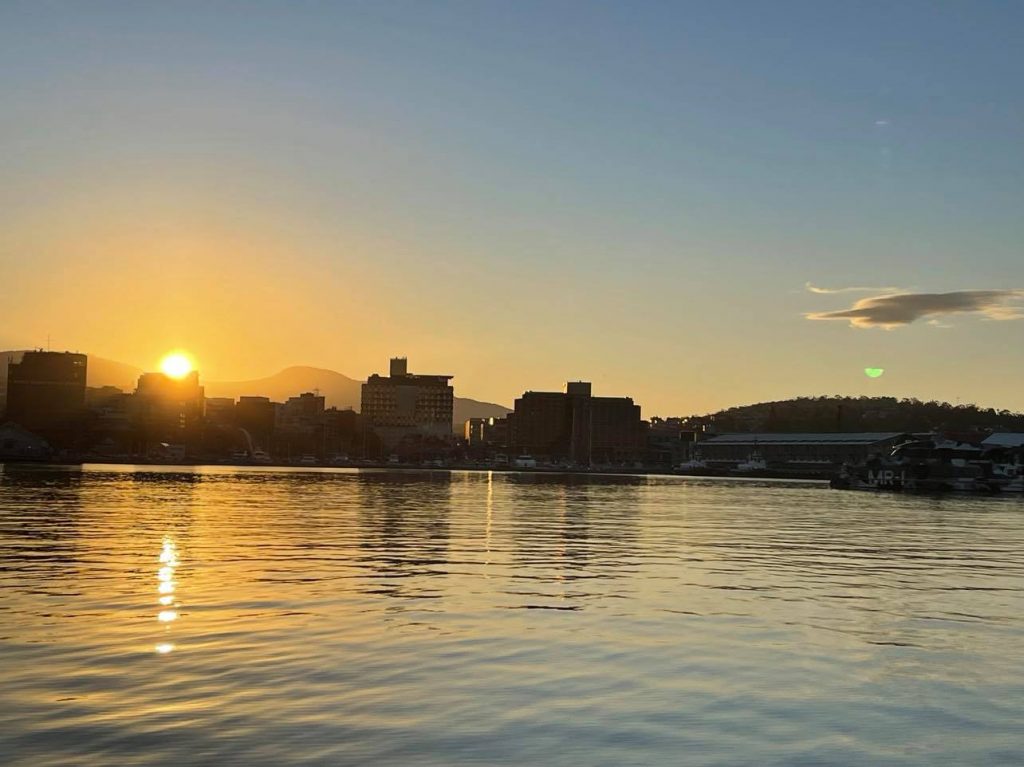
(170, 364)
(698, 207)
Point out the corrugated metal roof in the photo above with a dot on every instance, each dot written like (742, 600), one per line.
(1005, 439)
(838, 438)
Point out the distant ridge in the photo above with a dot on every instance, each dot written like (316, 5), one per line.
(865, 414)
(339, 390)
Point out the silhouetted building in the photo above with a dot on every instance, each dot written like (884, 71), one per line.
(166, 409)
(220, 410)
(578, 427)
(300, 427)
(302, 412)
(98, 397)
(46, 393)
(406, 405)
(486, 432)
(108, 421)
(257, 416)
(822, 451)
(342, 433)
(670, 441)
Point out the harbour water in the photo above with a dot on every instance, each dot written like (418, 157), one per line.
(262, 616)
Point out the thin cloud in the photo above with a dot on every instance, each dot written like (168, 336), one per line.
(830, 291)
(894, 310)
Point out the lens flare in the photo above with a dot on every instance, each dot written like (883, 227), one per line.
(873, 372)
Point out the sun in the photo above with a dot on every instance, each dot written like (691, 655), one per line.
(176, 365)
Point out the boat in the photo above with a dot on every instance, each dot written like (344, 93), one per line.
(1007, 468)
(927, 466)
(525, 462)
(754, 462)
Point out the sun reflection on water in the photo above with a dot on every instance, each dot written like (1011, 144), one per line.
(166, 587)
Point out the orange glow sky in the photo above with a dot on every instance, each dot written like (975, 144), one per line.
(639, 202)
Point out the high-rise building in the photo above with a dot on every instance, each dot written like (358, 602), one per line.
(46, 393)
(404, 404)
(166, 409)
(576, 426)
(257, 416)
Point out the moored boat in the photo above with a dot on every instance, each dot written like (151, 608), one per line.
(935, 466)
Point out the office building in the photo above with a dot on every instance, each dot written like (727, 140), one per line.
(46, 393)
(577, 427)
(403, 404)
(166, 409)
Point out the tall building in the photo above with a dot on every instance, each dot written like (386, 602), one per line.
(578, 427)
(46, 393)
(166, 409)
(257, 416)
(302, 412)
(300, 426)
(404, 404)
(220, 410)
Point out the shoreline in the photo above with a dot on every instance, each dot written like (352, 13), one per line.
(385, 466)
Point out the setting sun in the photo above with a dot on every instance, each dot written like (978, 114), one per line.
(176, 365)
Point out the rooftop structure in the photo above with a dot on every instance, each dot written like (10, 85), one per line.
(1004, 439)
(822, 450)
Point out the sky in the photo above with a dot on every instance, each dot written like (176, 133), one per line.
(694, 204)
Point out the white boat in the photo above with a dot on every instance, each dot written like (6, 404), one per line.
(754, 462)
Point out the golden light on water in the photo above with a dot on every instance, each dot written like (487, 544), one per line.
(176, 365)
(165, 577)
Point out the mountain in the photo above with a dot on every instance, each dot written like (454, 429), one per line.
(466, 408)
(339, 391)
(99, 372)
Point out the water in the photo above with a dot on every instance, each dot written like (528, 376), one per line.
(229, 616)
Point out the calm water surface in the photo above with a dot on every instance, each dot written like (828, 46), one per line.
(230, 616)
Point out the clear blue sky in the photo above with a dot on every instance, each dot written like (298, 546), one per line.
(520, 193)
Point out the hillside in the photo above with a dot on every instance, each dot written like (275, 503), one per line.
(829, 414)
(339, 390)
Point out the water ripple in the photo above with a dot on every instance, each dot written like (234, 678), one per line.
(236, 616)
